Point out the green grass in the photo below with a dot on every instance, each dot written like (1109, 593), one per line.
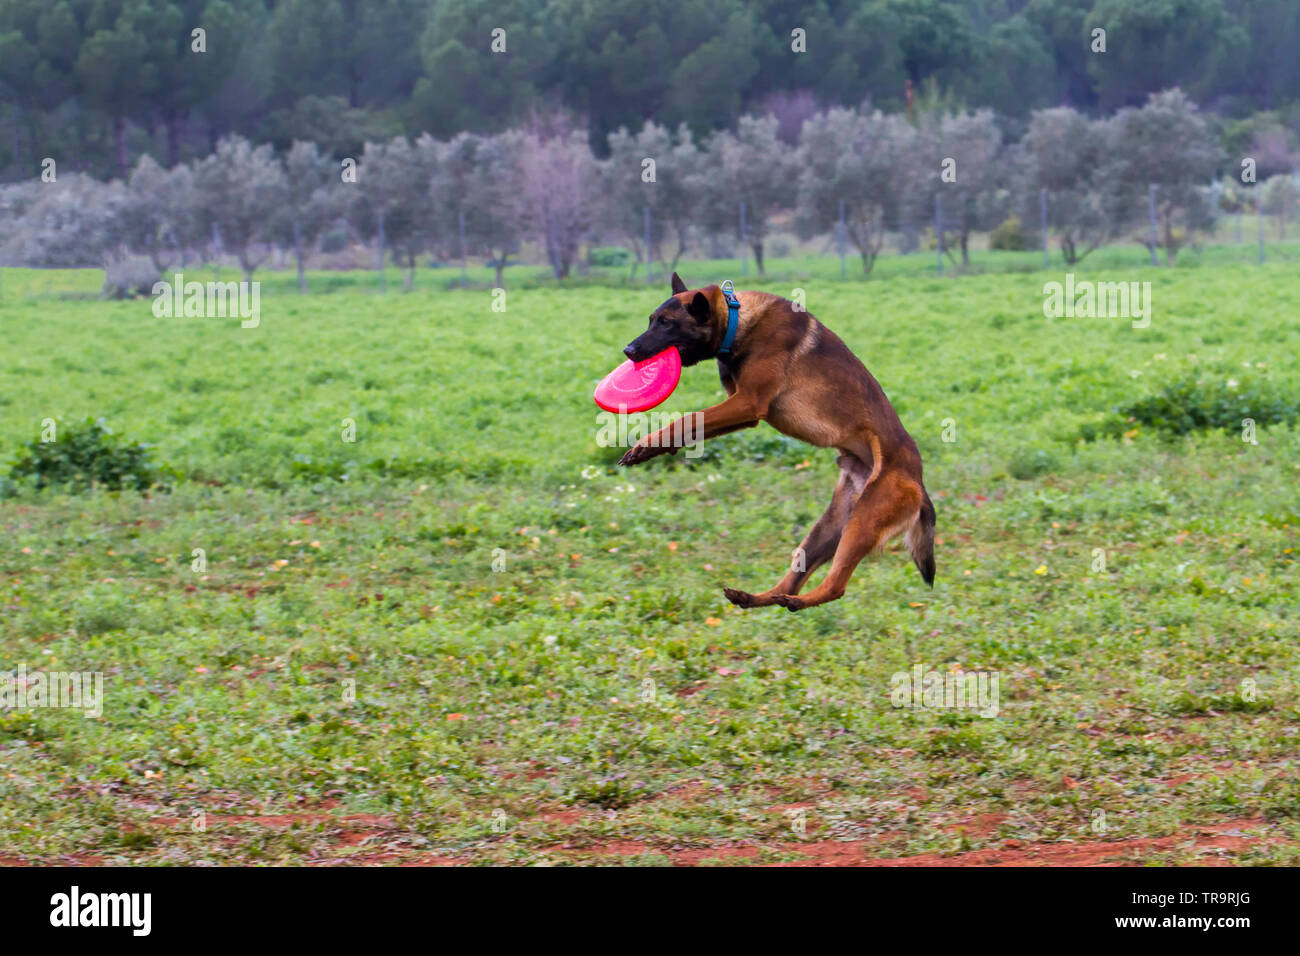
(597, 691)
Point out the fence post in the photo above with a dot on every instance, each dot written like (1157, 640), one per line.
(464, 262)
(841, 231)
(938, 229)
(744, 259)
(1151, 213)
(380, 239)
(1259, 221)
(647, 245)
(1042, 222)
(297, 254)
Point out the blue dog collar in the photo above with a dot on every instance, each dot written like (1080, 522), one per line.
(733, 317)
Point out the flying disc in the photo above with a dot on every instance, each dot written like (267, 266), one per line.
(636, 386)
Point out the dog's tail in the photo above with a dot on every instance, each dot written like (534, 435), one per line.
(920, 539)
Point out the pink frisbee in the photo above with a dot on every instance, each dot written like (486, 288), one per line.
(636, 386)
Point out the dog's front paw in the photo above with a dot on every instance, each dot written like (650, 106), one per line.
(739, 598)
(788, 601)
(638, 453)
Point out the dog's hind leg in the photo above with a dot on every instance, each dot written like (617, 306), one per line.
(889, 507)
(819, 545)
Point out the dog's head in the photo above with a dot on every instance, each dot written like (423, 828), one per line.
(684, 321)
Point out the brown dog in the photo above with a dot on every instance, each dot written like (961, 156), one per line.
(786, 368)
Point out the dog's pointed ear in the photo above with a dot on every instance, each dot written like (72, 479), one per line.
(678, 284)
(701, 308)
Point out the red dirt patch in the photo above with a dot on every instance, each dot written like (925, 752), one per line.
(564, 817)
(1226, 836)
(282, 820)
(980, 826)
(1116, 853)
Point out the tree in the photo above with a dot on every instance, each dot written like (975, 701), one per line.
(365, 52)
(973, 142)
(1017, 60)
(1274, 151)
(1269, 73)
(479, 179)
(1167, 143)
(558, 183)
(468, 86)
(855, 158)
(1067, 154)
(393, 198)
(39, 43)
(187, 78)
(237, 189)
(672, 61)
(1155, 46)
(1279, 199)
(751, 166)
(655, 169)
(853, 54)
(75, 222)
(934, 37)
(340, 130)
(114, 69)
(309, 202)
(160, 213)
(1065, 26)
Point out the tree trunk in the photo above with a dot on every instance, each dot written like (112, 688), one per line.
(159, 258)
(501, 271)
(119, 145)
(757, 247)
(297, 251)
(408, 281)
(965, 252)
(174, 128)
(1067, 250)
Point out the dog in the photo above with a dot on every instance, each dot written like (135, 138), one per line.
(780, 365)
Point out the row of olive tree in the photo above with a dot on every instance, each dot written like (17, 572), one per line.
(856, 174)
(1094, 177)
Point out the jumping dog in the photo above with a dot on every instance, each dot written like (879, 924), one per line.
(778, 364)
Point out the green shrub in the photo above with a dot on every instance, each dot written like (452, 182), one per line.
(335, 240)
(128, 278)
(86, 456)
(1009, 235)
(1029, 463)
(615, 256)
(1187, 406)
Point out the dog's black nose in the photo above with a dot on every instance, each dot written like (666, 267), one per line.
(629, 351)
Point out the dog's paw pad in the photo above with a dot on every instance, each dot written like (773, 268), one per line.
(788, 601)
(739, 598)
(637, 454)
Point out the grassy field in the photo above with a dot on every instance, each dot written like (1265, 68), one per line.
(467, 637)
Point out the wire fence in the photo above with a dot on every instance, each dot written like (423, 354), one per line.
(1243, 229)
